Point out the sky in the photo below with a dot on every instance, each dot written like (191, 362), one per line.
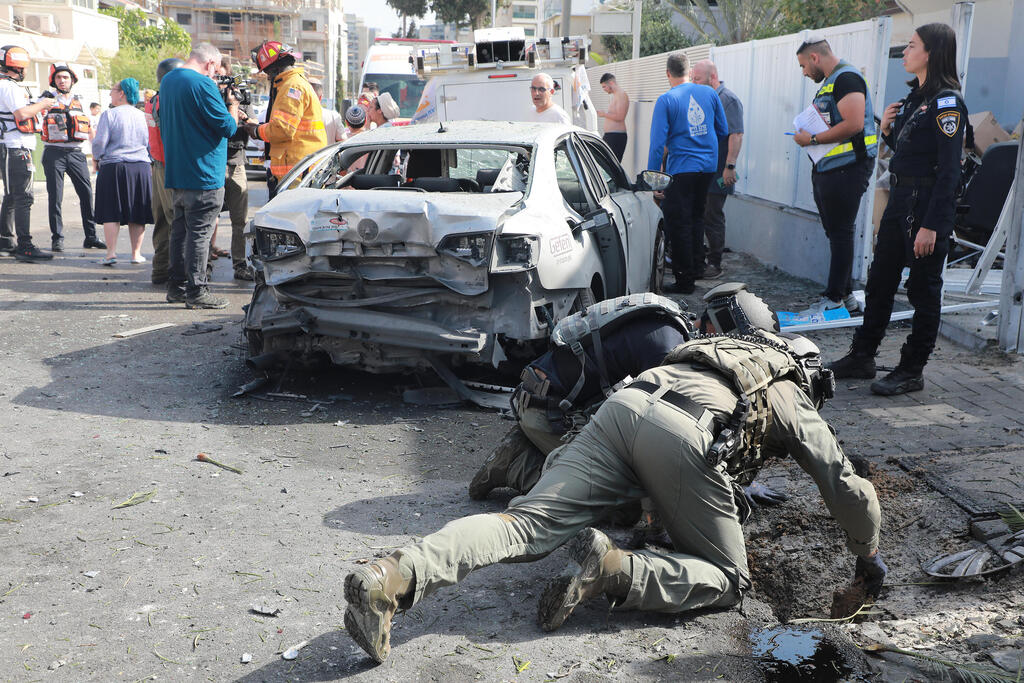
(378, 14)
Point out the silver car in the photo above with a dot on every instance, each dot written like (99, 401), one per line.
(467, 242)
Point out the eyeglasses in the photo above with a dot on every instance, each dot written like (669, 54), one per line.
(534, 88)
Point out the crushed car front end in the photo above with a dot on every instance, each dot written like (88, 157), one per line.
(384, 280)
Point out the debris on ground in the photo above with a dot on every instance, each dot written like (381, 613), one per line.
(141, 330)
(203, 457)
(135, 499)
(202, 328)
(293, 651)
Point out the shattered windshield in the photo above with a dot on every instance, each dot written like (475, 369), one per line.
(471, 168)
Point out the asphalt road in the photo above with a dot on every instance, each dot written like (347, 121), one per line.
(335, 469)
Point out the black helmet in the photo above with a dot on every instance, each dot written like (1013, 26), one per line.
(167, 65)
(733, 309)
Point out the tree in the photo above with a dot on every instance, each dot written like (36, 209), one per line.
(657, 34)
(461, 12)
(408, 9)
(798, 15)
(143, 47)
(731, 21)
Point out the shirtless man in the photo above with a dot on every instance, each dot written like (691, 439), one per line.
(615, 117)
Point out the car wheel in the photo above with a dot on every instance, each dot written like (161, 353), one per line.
(658, 266)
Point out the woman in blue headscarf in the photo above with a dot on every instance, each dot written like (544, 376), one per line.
(123, 188)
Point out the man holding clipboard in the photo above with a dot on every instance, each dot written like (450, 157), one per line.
(838, 133)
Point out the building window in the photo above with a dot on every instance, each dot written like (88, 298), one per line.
(184, 19)
(88, 73)
(221, 18)
(524, 12)
(529, 32)
(309, 55)
(88, 4)
(309, 24)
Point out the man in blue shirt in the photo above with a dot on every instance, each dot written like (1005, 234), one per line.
(195, 125)
(687, 122)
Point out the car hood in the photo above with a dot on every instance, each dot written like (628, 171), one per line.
(321, 217)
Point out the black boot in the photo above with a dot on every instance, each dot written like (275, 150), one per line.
(900, 381)
(854, 365)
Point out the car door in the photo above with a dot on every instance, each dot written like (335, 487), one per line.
(611, 185)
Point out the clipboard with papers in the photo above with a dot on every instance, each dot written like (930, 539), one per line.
(810, 120)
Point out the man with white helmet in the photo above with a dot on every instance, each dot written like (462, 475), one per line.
(65, 127)
(687, 434)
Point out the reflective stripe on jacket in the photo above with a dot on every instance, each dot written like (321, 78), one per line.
(295, 124)
(861, 145)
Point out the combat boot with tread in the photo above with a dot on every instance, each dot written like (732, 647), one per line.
(854, 365)
(595, 568)
(899, 381)
(372, 592)
(493, 473)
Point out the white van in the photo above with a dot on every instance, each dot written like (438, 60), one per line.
(388, 64)
(489, 79)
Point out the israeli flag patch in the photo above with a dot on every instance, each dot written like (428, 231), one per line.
(946, 102)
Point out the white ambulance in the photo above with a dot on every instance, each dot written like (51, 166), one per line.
(389, 65)
(489, 79)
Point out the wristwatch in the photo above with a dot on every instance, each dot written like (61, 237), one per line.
(814, 139)
(731, 167)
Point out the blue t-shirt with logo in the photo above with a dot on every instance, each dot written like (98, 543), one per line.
(195, 126)
(688, 120)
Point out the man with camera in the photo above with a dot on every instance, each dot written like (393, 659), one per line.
(195, 126)
(236, 187)
(295, 122)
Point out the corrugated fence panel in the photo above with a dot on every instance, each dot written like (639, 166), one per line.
(644, 80)
(766, 77)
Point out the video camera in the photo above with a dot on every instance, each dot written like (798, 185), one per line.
(238, 88)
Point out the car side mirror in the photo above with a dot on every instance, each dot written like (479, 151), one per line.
(655, 181)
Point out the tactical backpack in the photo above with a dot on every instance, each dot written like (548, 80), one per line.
(584, 329)
(752, 363)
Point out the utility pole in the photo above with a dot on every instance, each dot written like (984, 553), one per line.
(566, 17)
(637, 14)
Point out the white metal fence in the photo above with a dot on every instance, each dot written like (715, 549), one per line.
(765, 75)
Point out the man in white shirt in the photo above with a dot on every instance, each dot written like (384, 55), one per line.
(63, 135)
(542, 87)
(333, 125)
(16, 166)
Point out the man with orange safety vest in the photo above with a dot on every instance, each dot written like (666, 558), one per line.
(18, 124)
(65, 127)
(295, 123)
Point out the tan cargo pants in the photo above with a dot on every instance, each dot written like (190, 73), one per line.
(163, 216)
(236, 199)
(634, 446)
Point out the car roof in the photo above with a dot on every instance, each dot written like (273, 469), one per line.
(463, 132)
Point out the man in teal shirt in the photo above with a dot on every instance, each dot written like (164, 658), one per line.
(195, 124)
(687, 123)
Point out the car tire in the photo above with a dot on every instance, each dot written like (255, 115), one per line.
(658, 265)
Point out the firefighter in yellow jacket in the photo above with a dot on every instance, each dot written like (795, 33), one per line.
(295, 123)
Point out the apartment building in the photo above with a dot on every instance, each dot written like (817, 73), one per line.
(522, 13)
(314, 27)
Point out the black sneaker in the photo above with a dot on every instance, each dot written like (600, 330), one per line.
(176, 295)
(679, 288)
(899, 381)
(7, 249)
(31, 254)
(93, 243)
(57, 244)
(853, 366)
(206, 300)
(711, 271)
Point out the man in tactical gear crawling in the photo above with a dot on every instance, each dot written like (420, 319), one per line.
(685, 434)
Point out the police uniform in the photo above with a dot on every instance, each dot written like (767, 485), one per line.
(841, 176)
(927, 138)
(652, 438)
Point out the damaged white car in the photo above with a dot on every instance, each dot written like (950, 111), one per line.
(405, 245)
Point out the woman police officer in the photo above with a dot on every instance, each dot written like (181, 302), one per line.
(926, 133)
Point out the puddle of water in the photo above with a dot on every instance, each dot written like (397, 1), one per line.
(792, 655)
